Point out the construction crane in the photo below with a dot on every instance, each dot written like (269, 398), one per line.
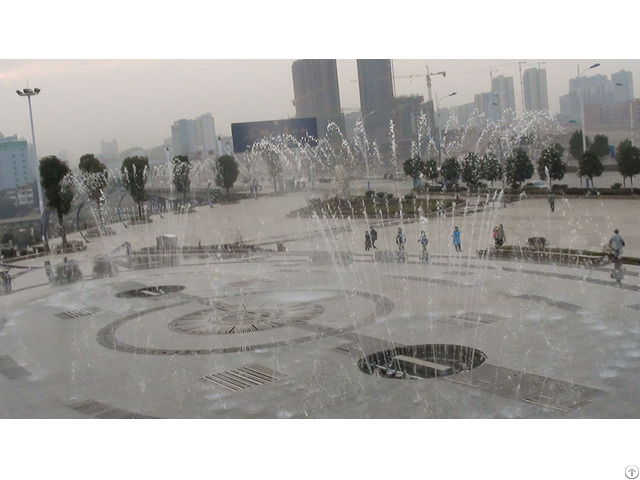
(428, 75)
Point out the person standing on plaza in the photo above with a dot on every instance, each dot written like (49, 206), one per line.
(374, 237)
(367, 240)
(424, 241)
(616, 243)
(552, 202)
(499, 236)
(401, 239)
(457, 243)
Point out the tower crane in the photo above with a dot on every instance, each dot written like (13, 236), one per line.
(428, 75)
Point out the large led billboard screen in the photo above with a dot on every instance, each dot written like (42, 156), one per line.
(303, 130)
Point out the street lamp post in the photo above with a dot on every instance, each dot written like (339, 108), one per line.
(364, 150)
(28, 92)
(440, 128)
(631, 122)
(581, 94)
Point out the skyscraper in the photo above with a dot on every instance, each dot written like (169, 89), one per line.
(503, 93)
(535, 89)
(194, 136)
(15, 168)
(375, 82)
(316, 92)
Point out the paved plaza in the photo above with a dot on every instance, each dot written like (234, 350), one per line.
(328, 330)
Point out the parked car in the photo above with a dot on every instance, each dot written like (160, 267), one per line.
(537, 184)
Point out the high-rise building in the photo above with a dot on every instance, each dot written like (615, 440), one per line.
(189, 137)
(316, 92)
(15, 168)
(623, 80)
(109, 155)
(595, 90)
(535, 89)
(375, 82)
(503, 93)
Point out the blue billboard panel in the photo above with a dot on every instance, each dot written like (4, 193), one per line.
(303, 130)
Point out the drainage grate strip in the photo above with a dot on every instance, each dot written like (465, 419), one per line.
(243, 377)
(527, 387)
(80, 312)
(470, 319)
(100, 410)
(10, 369)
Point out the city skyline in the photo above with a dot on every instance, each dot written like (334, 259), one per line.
(137, 101)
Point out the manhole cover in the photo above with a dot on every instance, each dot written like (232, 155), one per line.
(422, 361)
(151, 291)
(229, 319)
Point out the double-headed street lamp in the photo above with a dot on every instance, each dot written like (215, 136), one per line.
(440, 127)
(581, 90)
(28, 92)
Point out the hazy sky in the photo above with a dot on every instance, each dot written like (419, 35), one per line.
(100, 90)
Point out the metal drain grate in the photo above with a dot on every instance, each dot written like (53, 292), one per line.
(10, 369)
(470, 319)
(244, 377)
(100, 410)
(527, 387)
(80, 312)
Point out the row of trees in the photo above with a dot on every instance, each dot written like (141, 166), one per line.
(59, 185)
(472, 169)
(590, 162)
(517, 166)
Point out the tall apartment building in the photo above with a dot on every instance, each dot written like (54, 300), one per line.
(195, 137)
(623, 80)
(503, 93)
(375, 82)
(15, 164)
(109, 154)
(599, 95)
(316, 93)
(535, 89)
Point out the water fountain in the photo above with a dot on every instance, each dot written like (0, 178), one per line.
(325, 329)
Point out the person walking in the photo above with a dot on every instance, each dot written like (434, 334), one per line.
(424, 241)
(498, 236)
(367, 240)
(616, 243)
(552, 202)
(457, 243)
(374, 237)
(401, 240)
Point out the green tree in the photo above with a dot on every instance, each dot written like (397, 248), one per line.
(413, 167)
(628, 160)
(57, 189)
(471, 171)
(551, 161)
(518, 167)
(274, 167)
(450, 170)
(491, 167)
(600, 146)
(94, 178)
(181, 168)
(226, 172)
(575, 145)
(576, 150)
(431, 169)
(590, 166)
(135, 171)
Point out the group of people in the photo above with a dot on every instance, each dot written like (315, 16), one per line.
(370, 237)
